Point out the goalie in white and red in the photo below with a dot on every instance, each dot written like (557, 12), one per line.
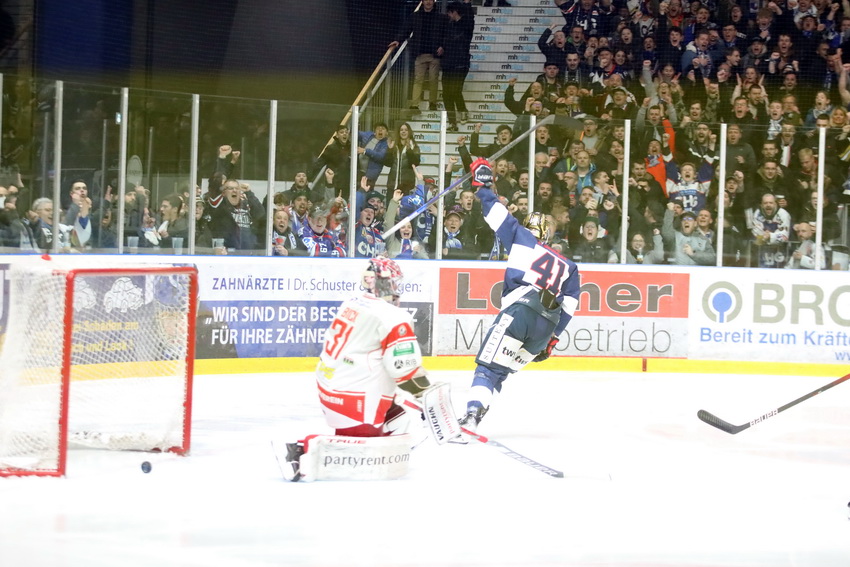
(370, 349)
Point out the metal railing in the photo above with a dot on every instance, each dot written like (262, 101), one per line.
(118, 140)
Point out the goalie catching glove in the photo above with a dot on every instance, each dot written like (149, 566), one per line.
(547, 352)
(417, 384)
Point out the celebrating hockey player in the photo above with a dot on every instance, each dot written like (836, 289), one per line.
(540, 295)
(369, 349)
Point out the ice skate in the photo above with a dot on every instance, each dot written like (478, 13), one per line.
(291, 469)
(470, 422)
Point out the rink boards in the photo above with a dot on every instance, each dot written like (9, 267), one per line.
(264, 311)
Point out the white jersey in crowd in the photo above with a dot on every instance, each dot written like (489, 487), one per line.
(369, 347)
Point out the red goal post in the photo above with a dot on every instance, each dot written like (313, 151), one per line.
(96, 358)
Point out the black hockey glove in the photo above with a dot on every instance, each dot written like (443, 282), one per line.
(546, 352)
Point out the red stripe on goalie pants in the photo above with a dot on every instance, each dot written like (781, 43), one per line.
(353, 405)
(349, 404)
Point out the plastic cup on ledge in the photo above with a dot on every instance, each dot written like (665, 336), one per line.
(177, 244)
(133, 244)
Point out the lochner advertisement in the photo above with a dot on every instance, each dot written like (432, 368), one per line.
(637, 313)
(802, 316)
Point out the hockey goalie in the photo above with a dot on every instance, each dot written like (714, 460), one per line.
(370, 360)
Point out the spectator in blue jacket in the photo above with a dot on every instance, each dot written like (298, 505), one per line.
(372, 149)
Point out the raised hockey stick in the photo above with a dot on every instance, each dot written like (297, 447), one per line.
(723, 425)
(417, 405)
(466, 176)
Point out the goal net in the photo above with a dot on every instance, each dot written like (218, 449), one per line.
(96, 358)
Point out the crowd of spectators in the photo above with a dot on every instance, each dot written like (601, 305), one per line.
(774, 74)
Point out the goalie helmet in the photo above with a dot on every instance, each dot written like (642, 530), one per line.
(383, 278)
(539, 226)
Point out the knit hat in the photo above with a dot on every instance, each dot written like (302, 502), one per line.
(374, 195)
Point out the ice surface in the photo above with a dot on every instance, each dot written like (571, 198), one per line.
(647, 484)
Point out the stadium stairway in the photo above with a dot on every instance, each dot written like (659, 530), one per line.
(504, 46)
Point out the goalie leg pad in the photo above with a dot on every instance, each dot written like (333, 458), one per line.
(335, 457)
(439, 413)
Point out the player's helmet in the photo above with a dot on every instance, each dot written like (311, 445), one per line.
(383, 278)
(539, 226)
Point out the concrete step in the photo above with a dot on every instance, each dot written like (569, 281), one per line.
(431, 139)
(493, 32)
(489, 121)
(496, 109)
(491, 38)
(486, 92)
(530, 57)
(541, 12)
(479, 111)
(522, 77)
(495, 67)
(491, 84)
(504, 48)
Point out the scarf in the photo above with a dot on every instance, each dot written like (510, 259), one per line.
(452, 240)
(496, 251)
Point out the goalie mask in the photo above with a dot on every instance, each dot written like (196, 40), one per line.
(383, 278)
(539, 226)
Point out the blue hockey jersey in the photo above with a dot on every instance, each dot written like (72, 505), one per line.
(531, 264)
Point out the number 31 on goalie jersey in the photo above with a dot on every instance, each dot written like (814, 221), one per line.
(336, 337)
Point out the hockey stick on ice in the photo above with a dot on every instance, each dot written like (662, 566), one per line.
(514, 455)
(723, 425)
(417, 405)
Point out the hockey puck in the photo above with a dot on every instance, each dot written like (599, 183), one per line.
(146, 467)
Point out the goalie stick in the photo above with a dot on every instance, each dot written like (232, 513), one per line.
(416, 405)
(724, 425)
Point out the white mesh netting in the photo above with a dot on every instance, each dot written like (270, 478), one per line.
(130, 382)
